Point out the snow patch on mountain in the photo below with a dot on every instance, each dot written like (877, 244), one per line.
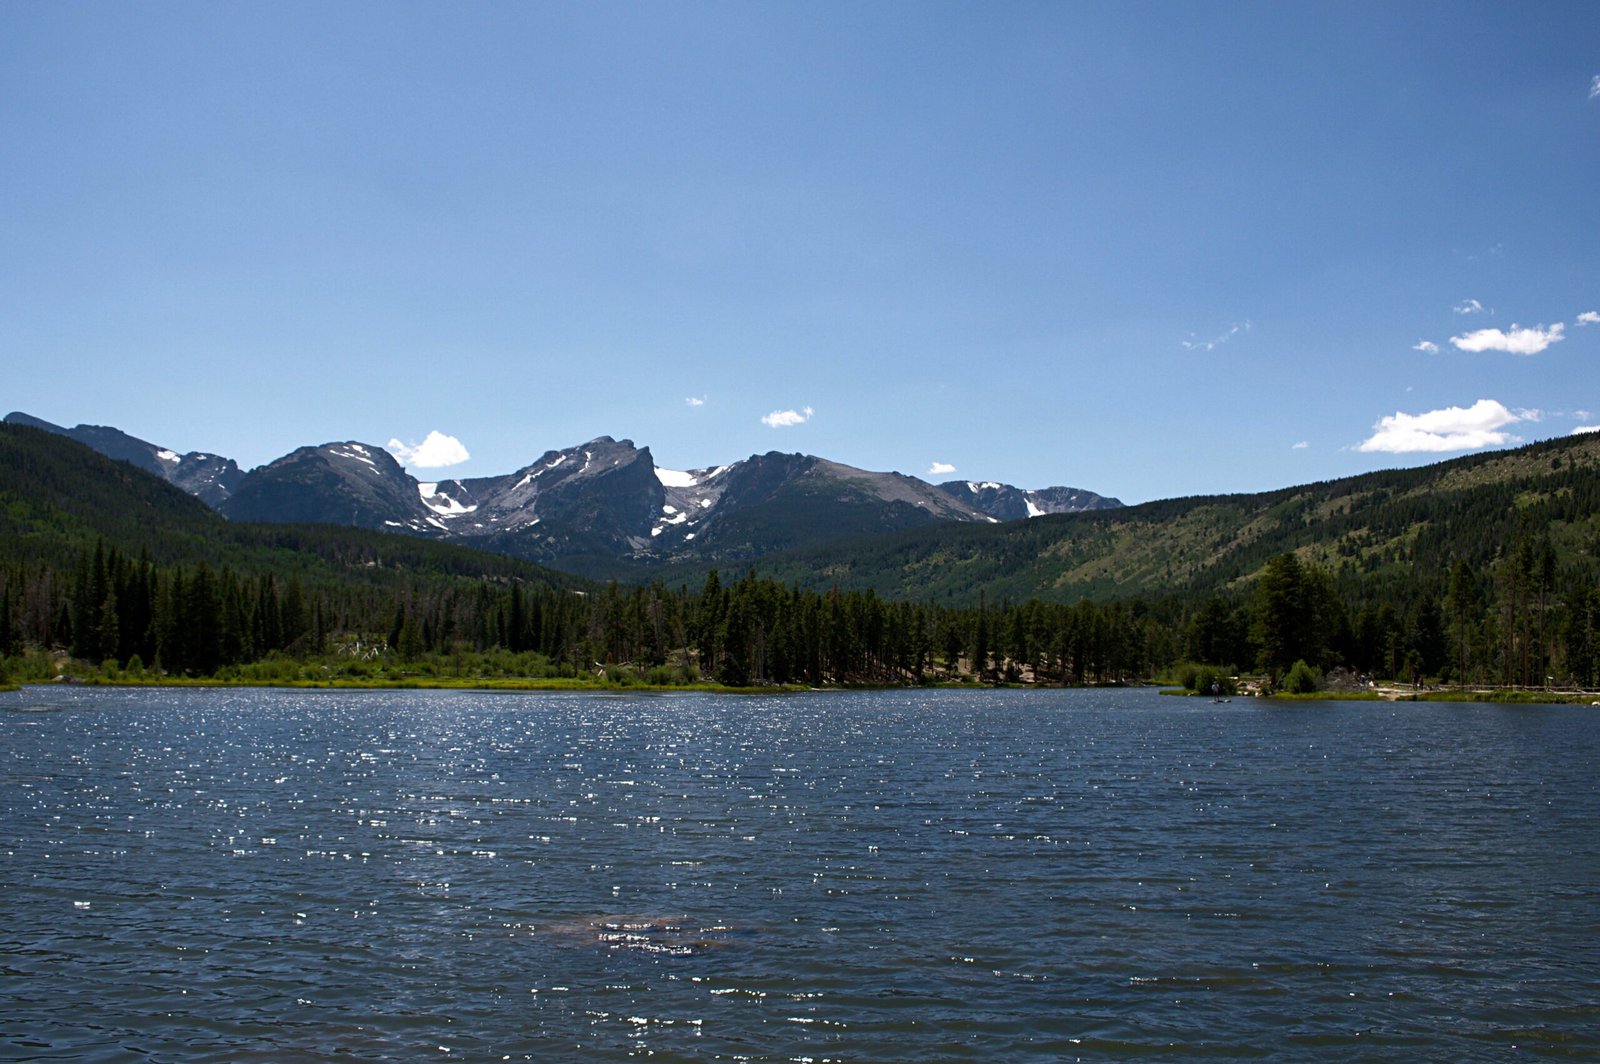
(673, 478)
(356, 453)
(441, 503)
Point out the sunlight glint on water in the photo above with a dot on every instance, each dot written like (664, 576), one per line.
(232, 875)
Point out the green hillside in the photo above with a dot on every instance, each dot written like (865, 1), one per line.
(1391, 526)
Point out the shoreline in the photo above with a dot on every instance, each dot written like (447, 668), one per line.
(421, 684)
(1495, 695)
(1501, 696)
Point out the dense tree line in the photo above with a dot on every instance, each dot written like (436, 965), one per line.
(1517, 621)
(196, 620)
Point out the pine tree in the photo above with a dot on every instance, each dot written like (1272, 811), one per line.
(1282, 616)
(980, 640)
(109, 635)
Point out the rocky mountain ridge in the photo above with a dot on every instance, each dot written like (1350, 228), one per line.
(590, 507)
(209, 477)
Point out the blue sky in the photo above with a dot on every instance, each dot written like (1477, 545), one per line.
(1145, 249)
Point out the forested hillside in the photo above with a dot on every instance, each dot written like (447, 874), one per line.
(1392, 527)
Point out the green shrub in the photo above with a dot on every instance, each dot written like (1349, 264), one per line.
(1186, 673)
(1210, 680)
(1302, 679)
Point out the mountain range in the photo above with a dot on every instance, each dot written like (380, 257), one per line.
(1392, 535)
(603, 508)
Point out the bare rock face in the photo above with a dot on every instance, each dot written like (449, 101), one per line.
(346, 483)
(1006, 503)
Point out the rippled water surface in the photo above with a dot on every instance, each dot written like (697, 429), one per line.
(1007, 875)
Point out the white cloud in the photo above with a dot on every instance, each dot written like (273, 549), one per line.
(940, 468)
(1589, 317)
(780, 419)
(1302, 445)
(435, 452)
(692, 401)
(1594, 88)
(1450, 429)
(1518, 341)
(1426, 345)
(1471, 306)
(1581, 429)
(1233, 330)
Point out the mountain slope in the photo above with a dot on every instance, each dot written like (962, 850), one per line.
(1386, 525)
(209, 477)
(58, 495)
(1006, 503)
(332, 484)
(601, 496)
(776, 501)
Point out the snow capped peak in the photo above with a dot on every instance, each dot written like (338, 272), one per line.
(169, 456)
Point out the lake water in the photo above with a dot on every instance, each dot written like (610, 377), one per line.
(945, 875)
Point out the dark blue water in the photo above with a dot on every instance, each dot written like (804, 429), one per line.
(255, 875)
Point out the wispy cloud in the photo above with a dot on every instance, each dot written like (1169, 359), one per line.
(1233, 330)
(782, 419)
(1471, 306)
(1450, 429)
(434, 452)
(1426, 345)
(1589, 317)
(1302, 445)
(1516, 341)
(1581, 429)
(1594, 88)
(940, 468)
(692, 401)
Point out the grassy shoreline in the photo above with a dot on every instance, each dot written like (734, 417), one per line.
(1490, 695)
(601, 686)
(421, 683)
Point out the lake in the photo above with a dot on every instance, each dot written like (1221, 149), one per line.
(238, 875)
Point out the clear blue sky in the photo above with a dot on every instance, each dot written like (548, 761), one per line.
(1148, 250)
